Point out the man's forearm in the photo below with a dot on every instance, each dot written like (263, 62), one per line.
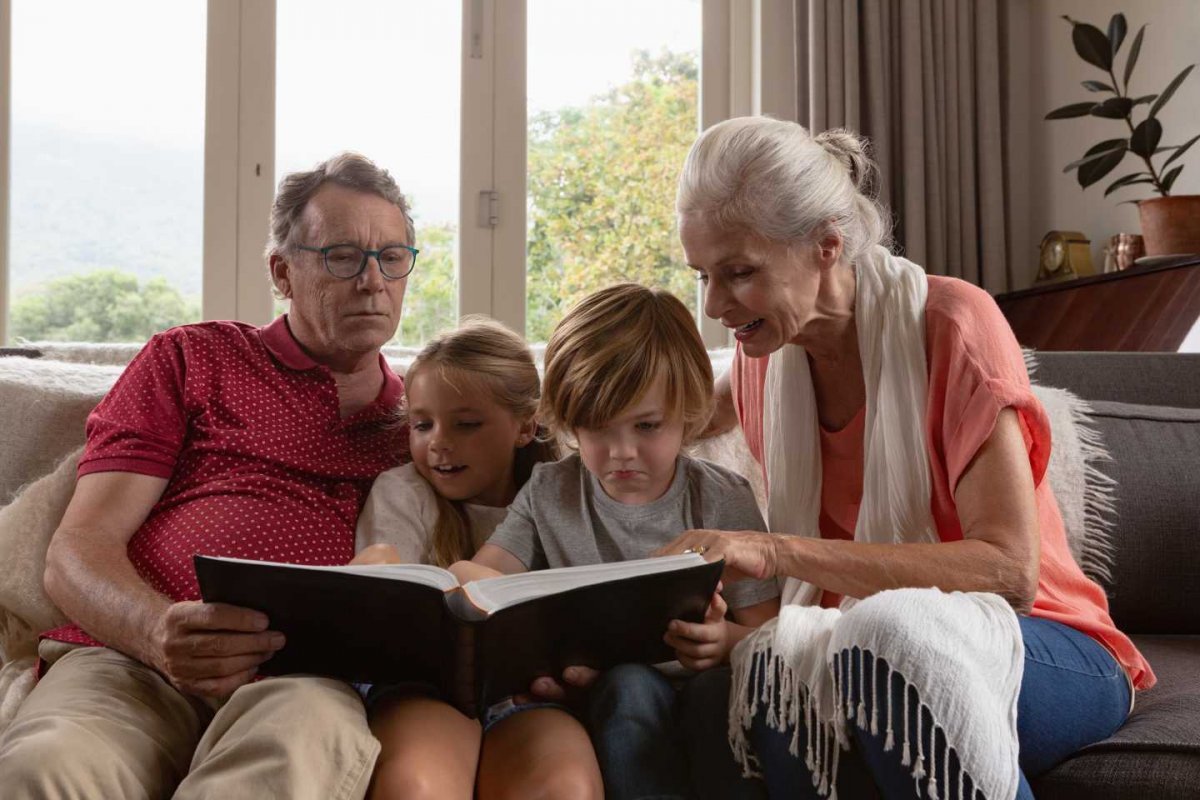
(96, 586)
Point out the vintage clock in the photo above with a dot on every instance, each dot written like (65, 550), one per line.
(1064, 255)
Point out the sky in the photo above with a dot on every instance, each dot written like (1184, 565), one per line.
(378, 76)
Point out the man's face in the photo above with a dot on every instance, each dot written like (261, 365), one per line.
(337, 318)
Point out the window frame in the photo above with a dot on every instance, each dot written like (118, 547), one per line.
(746, 62)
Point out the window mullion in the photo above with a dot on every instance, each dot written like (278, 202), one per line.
(220, 160)
(5, 174)
(256, 157)
(475, 233)
(510, 163)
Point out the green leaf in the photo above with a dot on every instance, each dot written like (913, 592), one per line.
(1146, 98)
(1170, 90)
(1094, 171)
(1134, 51)
(1146, 137)
(1116, 32)
(1128, 180)
(1073, 110)
(1097, 86)
(1181, 150)
(1113, 108)
(1097, 152)
(1091, 44)
(1169, 180)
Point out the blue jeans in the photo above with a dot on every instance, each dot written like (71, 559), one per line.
(632, 716)
(1073, 693)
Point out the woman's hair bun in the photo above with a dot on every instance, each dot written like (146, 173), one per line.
(850, 149)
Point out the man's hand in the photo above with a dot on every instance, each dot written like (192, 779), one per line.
(747, 554)
(210, 649)
(704, 645)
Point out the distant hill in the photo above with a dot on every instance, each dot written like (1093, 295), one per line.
(80, 203)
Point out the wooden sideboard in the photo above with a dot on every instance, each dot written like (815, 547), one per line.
(1141, 308)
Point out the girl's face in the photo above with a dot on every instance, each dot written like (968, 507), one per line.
(765, 292)
(634, 455)
(462, 441)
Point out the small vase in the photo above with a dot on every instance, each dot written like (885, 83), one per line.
(1171, 225)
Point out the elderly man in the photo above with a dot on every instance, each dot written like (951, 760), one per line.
(225, 439)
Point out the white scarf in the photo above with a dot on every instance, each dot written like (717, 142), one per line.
(975, 647)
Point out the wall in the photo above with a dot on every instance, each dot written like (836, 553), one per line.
(1053, 72)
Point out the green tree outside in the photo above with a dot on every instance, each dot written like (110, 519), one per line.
(602, 190)
(102, 306)
(431, 297)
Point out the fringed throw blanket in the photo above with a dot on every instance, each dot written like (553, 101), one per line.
(960, 655)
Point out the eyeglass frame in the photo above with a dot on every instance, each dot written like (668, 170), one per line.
(324, 251)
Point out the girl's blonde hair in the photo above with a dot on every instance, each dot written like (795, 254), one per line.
(609, 350)
(485, 354)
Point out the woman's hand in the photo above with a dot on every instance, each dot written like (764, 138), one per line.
(378, 554)
(703, 645)
(747, 554)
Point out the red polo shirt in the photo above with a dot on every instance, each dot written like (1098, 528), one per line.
(247, 429)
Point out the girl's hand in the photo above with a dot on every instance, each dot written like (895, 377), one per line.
(747, 554)
(378, 554)
(704, 645)
(547, 688)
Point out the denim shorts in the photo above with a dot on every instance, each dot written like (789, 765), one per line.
(373, 693)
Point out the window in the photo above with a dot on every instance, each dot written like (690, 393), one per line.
(382, 78)
(538, 140)
(107, 169)
(605, 143)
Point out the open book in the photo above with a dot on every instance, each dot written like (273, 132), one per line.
(477, 643)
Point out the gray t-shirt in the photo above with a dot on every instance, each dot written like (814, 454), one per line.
(562, 518)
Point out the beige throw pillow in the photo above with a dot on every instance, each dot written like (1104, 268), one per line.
(26, 526)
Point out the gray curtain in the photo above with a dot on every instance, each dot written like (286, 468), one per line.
(924, 79)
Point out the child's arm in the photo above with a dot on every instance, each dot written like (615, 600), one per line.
(497, 560)
(378, 554)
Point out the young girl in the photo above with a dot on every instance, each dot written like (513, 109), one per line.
(471, 401)
(628, 379)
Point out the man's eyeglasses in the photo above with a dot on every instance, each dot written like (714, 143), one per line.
(348, 261)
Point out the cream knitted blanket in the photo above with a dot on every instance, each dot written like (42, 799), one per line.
(961, 655)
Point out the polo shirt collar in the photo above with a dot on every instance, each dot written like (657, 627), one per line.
(279, 340)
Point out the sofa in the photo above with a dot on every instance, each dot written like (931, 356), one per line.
(1135, 526)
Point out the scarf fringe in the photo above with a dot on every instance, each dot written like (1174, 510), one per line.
(787, 699)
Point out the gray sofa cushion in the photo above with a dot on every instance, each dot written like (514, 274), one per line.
(1156, 753)
(1158, 379)
(1156, 464)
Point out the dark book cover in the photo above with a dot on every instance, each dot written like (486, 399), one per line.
(369, 629)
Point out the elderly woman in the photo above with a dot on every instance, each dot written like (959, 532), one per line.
(936, 634)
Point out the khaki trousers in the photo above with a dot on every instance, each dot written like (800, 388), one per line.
(102, 725)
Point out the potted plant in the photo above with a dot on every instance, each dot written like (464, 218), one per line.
(1170, 224)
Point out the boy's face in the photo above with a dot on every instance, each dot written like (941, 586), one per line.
(633, 456)
(462, 441)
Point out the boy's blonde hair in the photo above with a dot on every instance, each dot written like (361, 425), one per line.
(611, 347)
(481, 353)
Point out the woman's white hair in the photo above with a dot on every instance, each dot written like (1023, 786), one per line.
(772, 178)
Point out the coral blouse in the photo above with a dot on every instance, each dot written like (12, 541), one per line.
(975, 370)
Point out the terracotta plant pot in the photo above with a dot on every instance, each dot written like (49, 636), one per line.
(1171, 225)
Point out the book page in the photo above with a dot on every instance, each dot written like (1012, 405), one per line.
(493, 594)
(423, 574)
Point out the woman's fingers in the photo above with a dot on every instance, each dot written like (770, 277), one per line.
(580, 677)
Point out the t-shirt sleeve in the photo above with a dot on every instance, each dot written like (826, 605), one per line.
(978, 368)
(737, 510)
(141, 423)
(518, 533)
(399, 513)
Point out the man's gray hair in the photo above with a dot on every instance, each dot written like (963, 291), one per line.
(351, 170)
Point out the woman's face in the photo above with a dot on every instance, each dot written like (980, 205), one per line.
(765, 292)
